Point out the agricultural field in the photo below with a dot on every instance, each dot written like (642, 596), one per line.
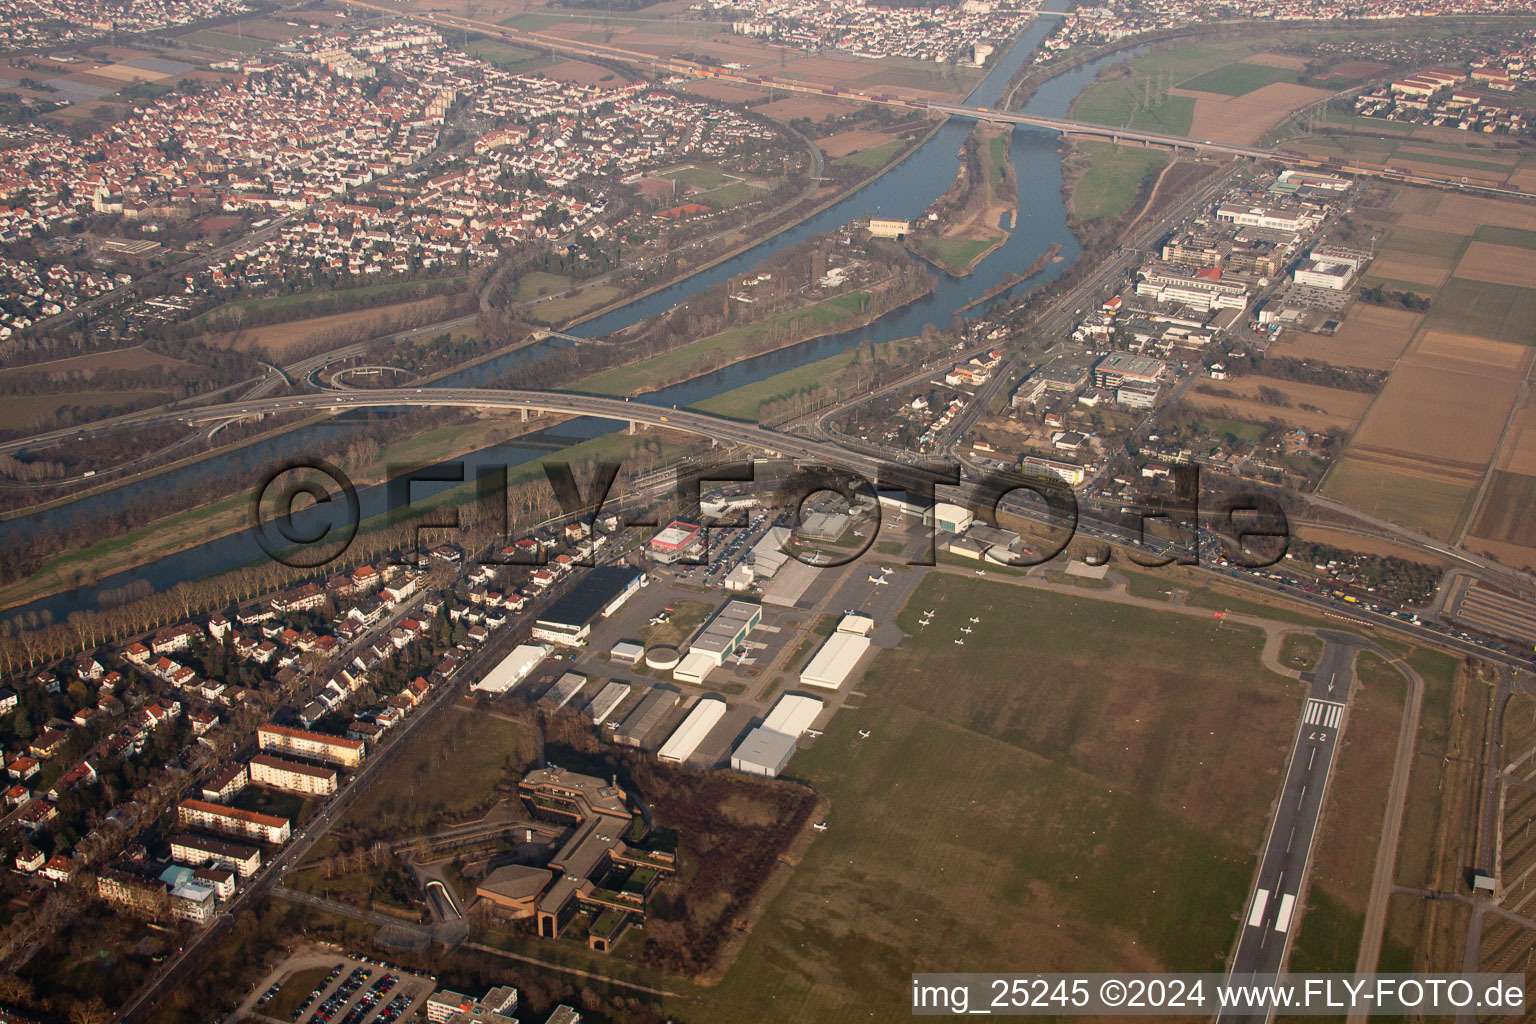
(1222, 91)
(1371, 337)
(847, 143)
(1136, 800)
(274, 340)
(33, 412)
(1419, 149)
(1444, 448)
(1308, 406)
(134, 357)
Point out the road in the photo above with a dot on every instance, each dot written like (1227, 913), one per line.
(1269, 918)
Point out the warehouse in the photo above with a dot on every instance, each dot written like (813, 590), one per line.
(763, 752)
(628, 652)
(608, 698)
(856, 622)
(949, 517)
(727, 630)
(513, 669)
(676, 540)
(836, 660)
(686, 738)
(600, 593)
(793, 714)
(768, 554)
(566, 687)
(647, 716)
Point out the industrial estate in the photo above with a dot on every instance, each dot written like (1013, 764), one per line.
(571, 510)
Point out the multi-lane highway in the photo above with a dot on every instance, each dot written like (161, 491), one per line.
(1269, 919)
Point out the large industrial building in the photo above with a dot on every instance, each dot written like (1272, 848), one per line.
(315, 746)
(608, 698)
(1119, 368)
(600, 593)
(835, 662)
(676, 540)
(768, 748)
(949, 517)
(513, 669)
(647, 716)
(565, 688)
(725, 632)
(685, 739)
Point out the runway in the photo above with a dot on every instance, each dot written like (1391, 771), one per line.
(1271, 915)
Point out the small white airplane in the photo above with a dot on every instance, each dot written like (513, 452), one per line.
(880, 581)
(820, 826)
(967, 631)
(981, 572)
(886, 570)
(975, 618)
(813, 732)
(863, 734)
(928, 614)
(960, 643)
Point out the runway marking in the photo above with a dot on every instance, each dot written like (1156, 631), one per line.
(1283, 918)
(1325, 713)
(1260, 901)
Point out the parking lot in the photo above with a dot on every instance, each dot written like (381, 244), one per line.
(352, 990)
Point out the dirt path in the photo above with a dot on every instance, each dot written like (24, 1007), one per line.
(1152, 196)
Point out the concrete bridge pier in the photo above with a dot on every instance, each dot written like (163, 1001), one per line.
(632, 427)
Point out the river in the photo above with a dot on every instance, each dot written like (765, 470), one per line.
(905, 191)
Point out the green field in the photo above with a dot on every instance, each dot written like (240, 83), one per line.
(1505, 236)
(1500, 311)
(733, 194)
(1239, 79)
(1120, 103)
(511, 58)
(742, 403)
(553, 311)
(874, 158)
(698, 177)
(1087, 785)
(719, 349)
(537, 284)
(1234, 428)
(392, 291)
(954, 254)
(1300, 651)
(1112, 180)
